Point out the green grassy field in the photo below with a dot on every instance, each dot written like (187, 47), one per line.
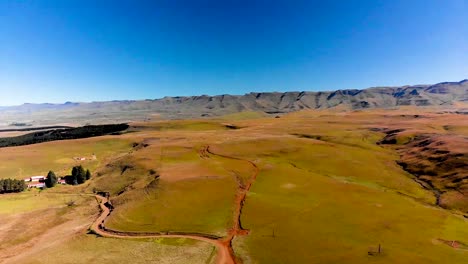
(185, 125)
(326, 202)
(32, 200)
(207, 204)
(22, 162)
(91, 249)
(309, 218)
(40, 227)
(245, 115)
(34, 215)
(202, 188)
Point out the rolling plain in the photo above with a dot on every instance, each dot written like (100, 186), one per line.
(313, 186)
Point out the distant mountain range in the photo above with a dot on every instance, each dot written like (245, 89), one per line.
(441, 94)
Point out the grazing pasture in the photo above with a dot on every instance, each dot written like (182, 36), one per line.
(25, 161)
(321, 187)
(92, 249)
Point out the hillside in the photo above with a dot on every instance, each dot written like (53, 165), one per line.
(443, 94)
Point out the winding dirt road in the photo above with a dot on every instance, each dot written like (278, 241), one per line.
(225, 253)
(223, 257)
(241, 195)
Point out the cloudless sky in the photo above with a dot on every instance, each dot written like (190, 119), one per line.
(57, 51)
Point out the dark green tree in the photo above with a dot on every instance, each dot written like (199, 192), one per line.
(74, 175)
(81, 176)
(51, 179)
(21, 186)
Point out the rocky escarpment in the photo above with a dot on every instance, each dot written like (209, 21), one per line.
(274, 103)
(438, 161)
(442, 94)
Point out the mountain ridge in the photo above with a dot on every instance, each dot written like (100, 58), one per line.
(440, 94)
(71, 103)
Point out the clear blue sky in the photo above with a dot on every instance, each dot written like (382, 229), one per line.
(57, 51)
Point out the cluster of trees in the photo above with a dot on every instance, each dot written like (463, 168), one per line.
(62, 134)
(12, 185)
(79, 175)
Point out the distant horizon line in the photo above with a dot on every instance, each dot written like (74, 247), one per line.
(176, 96)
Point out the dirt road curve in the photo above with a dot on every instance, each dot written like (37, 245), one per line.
(224, 255)
(224, 245)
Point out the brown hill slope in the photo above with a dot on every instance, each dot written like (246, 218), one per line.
(434, 148)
